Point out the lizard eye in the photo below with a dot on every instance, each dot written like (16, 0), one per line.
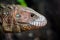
(18, 15)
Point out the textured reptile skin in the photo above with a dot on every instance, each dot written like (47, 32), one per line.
(15, 18)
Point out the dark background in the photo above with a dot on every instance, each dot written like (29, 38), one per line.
(51, 10)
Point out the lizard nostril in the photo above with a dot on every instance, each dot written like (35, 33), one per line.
(32, 15)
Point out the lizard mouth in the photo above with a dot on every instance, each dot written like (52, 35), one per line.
(27, 26)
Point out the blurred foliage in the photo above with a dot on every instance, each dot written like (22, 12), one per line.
(22, 2)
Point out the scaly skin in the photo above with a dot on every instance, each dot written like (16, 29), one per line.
(16, 18)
